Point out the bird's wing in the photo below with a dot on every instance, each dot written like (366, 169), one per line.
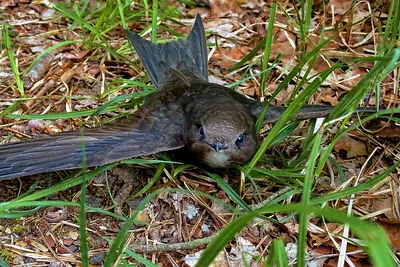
(148, 131)
(306, 112)
(274, 113)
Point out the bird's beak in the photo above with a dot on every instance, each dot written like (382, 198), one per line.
(218, 146)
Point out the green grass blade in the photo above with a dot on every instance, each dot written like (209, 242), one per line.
(305, 200)
(289, 112)
(377, 245)
(154, 22)
(60, 7)
(268, 46)
(11, 59)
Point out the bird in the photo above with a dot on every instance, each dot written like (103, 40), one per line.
(213, 126)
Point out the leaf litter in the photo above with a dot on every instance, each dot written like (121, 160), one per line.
(73, 78)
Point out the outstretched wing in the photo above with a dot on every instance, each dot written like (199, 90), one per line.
(148, 131)
(274, 113)
(306, 112)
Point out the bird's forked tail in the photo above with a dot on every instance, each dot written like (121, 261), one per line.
(184, 55)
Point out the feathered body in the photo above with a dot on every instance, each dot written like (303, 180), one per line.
(213, 124)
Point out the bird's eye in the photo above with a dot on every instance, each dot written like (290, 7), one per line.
(240, 140)
(201, 133)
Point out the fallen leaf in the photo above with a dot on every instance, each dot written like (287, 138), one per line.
(350, 147)
(219, 8)
(77, 56)
(392, 229)
(339, 7)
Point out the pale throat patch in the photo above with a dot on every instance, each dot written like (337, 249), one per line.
(217, 159)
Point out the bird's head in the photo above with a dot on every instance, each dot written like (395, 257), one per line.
(221, 140)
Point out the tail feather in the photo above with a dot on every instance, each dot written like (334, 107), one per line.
(183, 55)
(197, 42)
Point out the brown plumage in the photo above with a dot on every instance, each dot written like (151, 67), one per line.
(213, 124)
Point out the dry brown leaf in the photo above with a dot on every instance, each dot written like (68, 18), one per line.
(328, 95)
(390, 131)
(283, 45)
(384, 204)
(329, 99)
(77, 56)
(392, 229)
(339, 7)
(220, 8)
(351, 147)
(229, 57)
